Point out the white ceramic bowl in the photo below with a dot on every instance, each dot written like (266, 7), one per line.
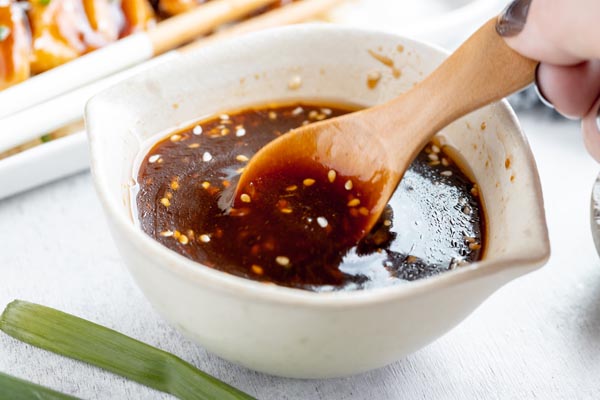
(291, 332)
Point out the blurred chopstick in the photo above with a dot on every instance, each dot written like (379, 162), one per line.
(288, 15)
(45, 117)
(124, 53)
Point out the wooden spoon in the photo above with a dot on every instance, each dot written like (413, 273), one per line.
(374, 147)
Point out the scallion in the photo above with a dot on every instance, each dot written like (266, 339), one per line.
(86, 341)
(19, 389)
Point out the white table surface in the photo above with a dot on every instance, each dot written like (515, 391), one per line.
(538, 337)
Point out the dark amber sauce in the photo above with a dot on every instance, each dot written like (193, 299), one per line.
(293, 228)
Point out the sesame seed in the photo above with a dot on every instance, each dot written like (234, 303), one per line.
(225, 131)
(190, 234)
(245, 198)
(286, 210)
(353, 202)
(272, 115)
(434, 163)
(297, 111)
(241, 158)
(176, 234)
(435, 149)
(183, 239)
(226, 183)
(295, 82)
(445, 162)
(326, 111)
(304, 123)
(204, 238)
(308, 182)
(469, 239)
(257, 269)
(166, 233)
(239, 132)
(373, 79)
(475, 191)
(474, 246)
(348, 185)
(313, 114)
(240, 170)
(169, 195)
(467, 210)
(194, 145)
(224, 117)
(153, 158)
(446, 173)
(363, 211)
(175, 138)
(205, 184)
(174, 184)
(322, 221)
(433, 157)
(165, 202)
(483, 126)
(282, 260)
(197, 130)
(291, 188)
(331, 175)
(321, 117)
(387, 222)
(206, 157)
(239, 212)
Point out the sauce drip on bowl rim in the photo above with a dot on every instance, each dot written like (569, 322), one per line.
(292, 227)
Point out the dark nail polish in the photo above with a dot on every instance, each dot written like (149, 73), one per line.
(512, 20)
(539, 91)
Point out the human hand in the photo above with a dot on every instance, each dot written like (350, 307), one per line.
(564, 35)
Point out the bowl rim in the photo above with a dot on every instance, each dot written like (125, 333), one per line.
(215, 280)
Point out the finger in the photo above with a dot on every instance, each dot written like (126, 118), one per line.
(561, 32)
(572, 90)
(591, 131)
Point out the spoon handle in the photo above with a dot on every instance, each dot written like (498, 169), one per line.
(482, 70)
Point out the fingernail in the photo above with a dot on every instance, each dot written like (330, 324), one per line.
(598, 120)
(539, 91)
(512, 20)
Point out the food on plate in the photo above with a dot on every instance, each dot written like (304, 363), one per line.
(15, 44)
(433, 223)
(139, 15)
(37, 35)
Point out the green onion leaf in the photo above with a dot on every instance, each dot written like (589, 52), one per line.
(46, 138)
(18, 389)
(44, 2)
(86, 341)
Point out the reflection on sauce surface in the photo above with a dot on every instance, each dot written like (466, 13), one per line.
(296, 235)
